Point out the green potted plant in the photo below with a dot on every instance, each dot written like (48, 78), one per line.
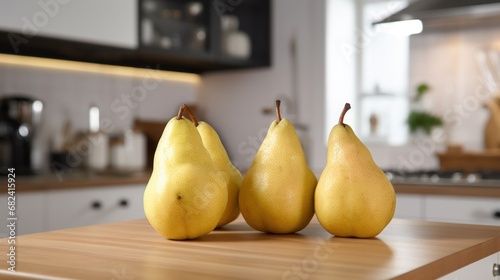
(420, 119)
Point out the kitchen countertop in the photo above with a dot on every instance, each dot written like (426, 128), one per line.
(475, 189)
(133, 250)
(79, 179)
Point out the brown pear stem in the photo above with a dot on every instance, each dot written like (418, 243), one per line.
(181, 111)
(347, 106)
(191, 116)
(278, 113)
(185, 108)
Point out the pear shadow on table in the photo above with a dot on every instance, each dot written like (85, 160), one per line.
(234, 227)
(230, 235)
(241, 232)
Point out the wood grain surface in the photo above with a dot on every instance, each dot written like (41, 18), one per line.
(133, 250)
(455, 190)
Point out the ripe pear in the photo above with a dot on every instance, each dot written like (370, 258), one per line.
(186, 194)
(277, 192)
(353, 198)
(233, 177)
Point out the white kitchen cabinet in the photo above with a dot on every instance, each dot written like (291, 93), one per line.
(409, 206)
(465, 210)
(30, 212)
(108, 22)
(449, 208)
(96, 205)
(482, 269)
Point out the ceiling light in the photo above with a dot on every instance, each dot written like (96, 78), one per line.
(400, 28)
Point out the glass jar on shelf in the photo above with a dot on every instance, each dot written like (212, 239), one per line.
(235, 43)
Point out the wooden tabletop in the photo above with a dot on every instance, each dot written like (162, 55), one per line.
(133, 250)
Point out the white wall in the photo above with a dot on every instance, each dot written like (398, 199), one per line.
(445, 59)
(232, 101)
(342, 54)
(68, 95)
(384, 70)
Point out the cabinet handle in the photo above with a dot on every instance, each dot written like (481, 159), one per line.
(496, 269)
(496, 214)
(96, 205)
(123, 203)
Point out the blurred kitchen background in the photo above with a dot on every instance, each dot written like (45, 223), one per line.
(423, 91)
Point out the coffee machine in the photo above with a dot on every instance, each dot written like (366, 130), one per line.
(20, 118)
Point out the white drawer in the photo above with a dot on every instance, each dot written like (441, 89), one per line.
(81, 207)
(409, 206)
(482, 269)
(467, 210)
(30, 212)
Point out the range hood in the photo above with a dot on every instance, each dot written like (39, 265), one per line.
(448, 12)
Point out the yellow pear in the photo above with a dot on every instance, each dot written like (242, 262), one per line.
(233, 177)
(277, 192)
(353, 198)
(186, 194)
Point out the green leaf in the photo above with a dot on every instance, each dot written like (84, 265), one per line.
(421, 90)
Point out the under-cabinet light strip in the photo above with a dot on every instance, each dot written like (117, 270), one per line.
(97, 68)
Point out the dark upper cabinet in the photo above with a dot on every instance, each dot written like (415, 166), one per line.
(206, 35)
(190, 36)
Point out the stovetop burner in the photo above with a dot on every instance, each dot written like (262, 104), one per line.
(490, 175)
(448, 176)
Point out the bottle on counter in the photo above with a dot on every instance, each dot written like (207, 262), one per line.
(128, 152)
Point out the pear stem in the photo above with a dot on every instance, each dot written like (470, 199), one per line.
(181, 111)
(278, 112)
(347, 106)
(191, 115)
(185, 108)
